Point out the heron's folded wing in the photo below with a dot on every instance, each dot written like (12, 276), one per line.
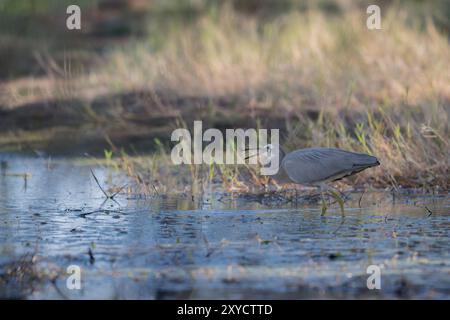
(309, 166)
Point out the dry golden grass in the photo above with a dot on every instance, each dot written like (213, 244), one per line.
(383, 92)
(296, 61)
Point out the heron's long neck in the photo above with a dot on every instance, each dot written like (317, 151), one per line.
(281, 176)
(282, 154)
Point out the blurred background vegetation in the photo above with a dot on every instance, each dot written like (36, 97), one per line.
(137, 69)
(27, 26)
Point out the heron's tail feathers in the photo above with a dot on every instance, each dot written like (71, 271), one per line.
(365, 161)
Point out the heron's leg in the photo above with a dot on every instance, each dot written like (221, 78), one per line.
(324, 203)
(338, 195)
(342, 194)
(339, 199)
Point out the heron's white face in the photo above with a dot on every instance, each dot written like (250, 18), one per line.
(267, 156)
(267, 153)
(264, 153)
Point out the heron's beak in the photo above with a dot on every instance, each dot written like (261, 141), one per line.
(250, 156)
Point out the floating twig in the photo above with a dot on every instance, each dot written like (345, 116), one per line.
(91, 256)
(429, 211)
(108, 196)
(98, 184)
(117, 192)
(83, 215)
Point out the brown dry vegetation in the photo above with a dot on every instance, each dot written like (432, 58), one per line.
(324, 79)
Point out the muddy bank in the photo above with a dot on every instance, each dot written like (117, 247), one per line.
(131, 121)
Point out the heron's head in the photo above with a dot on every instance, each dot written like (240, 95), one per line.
(265, 153)
(268, 156)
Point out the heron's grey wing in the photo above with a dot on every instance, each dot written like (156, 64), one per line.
(316, 165)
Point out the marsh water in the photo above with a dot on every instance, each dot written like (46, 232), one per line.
(53, 215)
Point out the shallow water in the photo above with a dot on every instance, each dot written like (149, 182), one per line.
(218, 246)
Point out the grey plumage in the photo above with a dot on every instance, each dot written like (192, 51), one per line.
(316, 166)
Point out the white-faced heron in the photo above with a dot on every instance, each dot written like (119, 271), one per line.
(318, 166)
